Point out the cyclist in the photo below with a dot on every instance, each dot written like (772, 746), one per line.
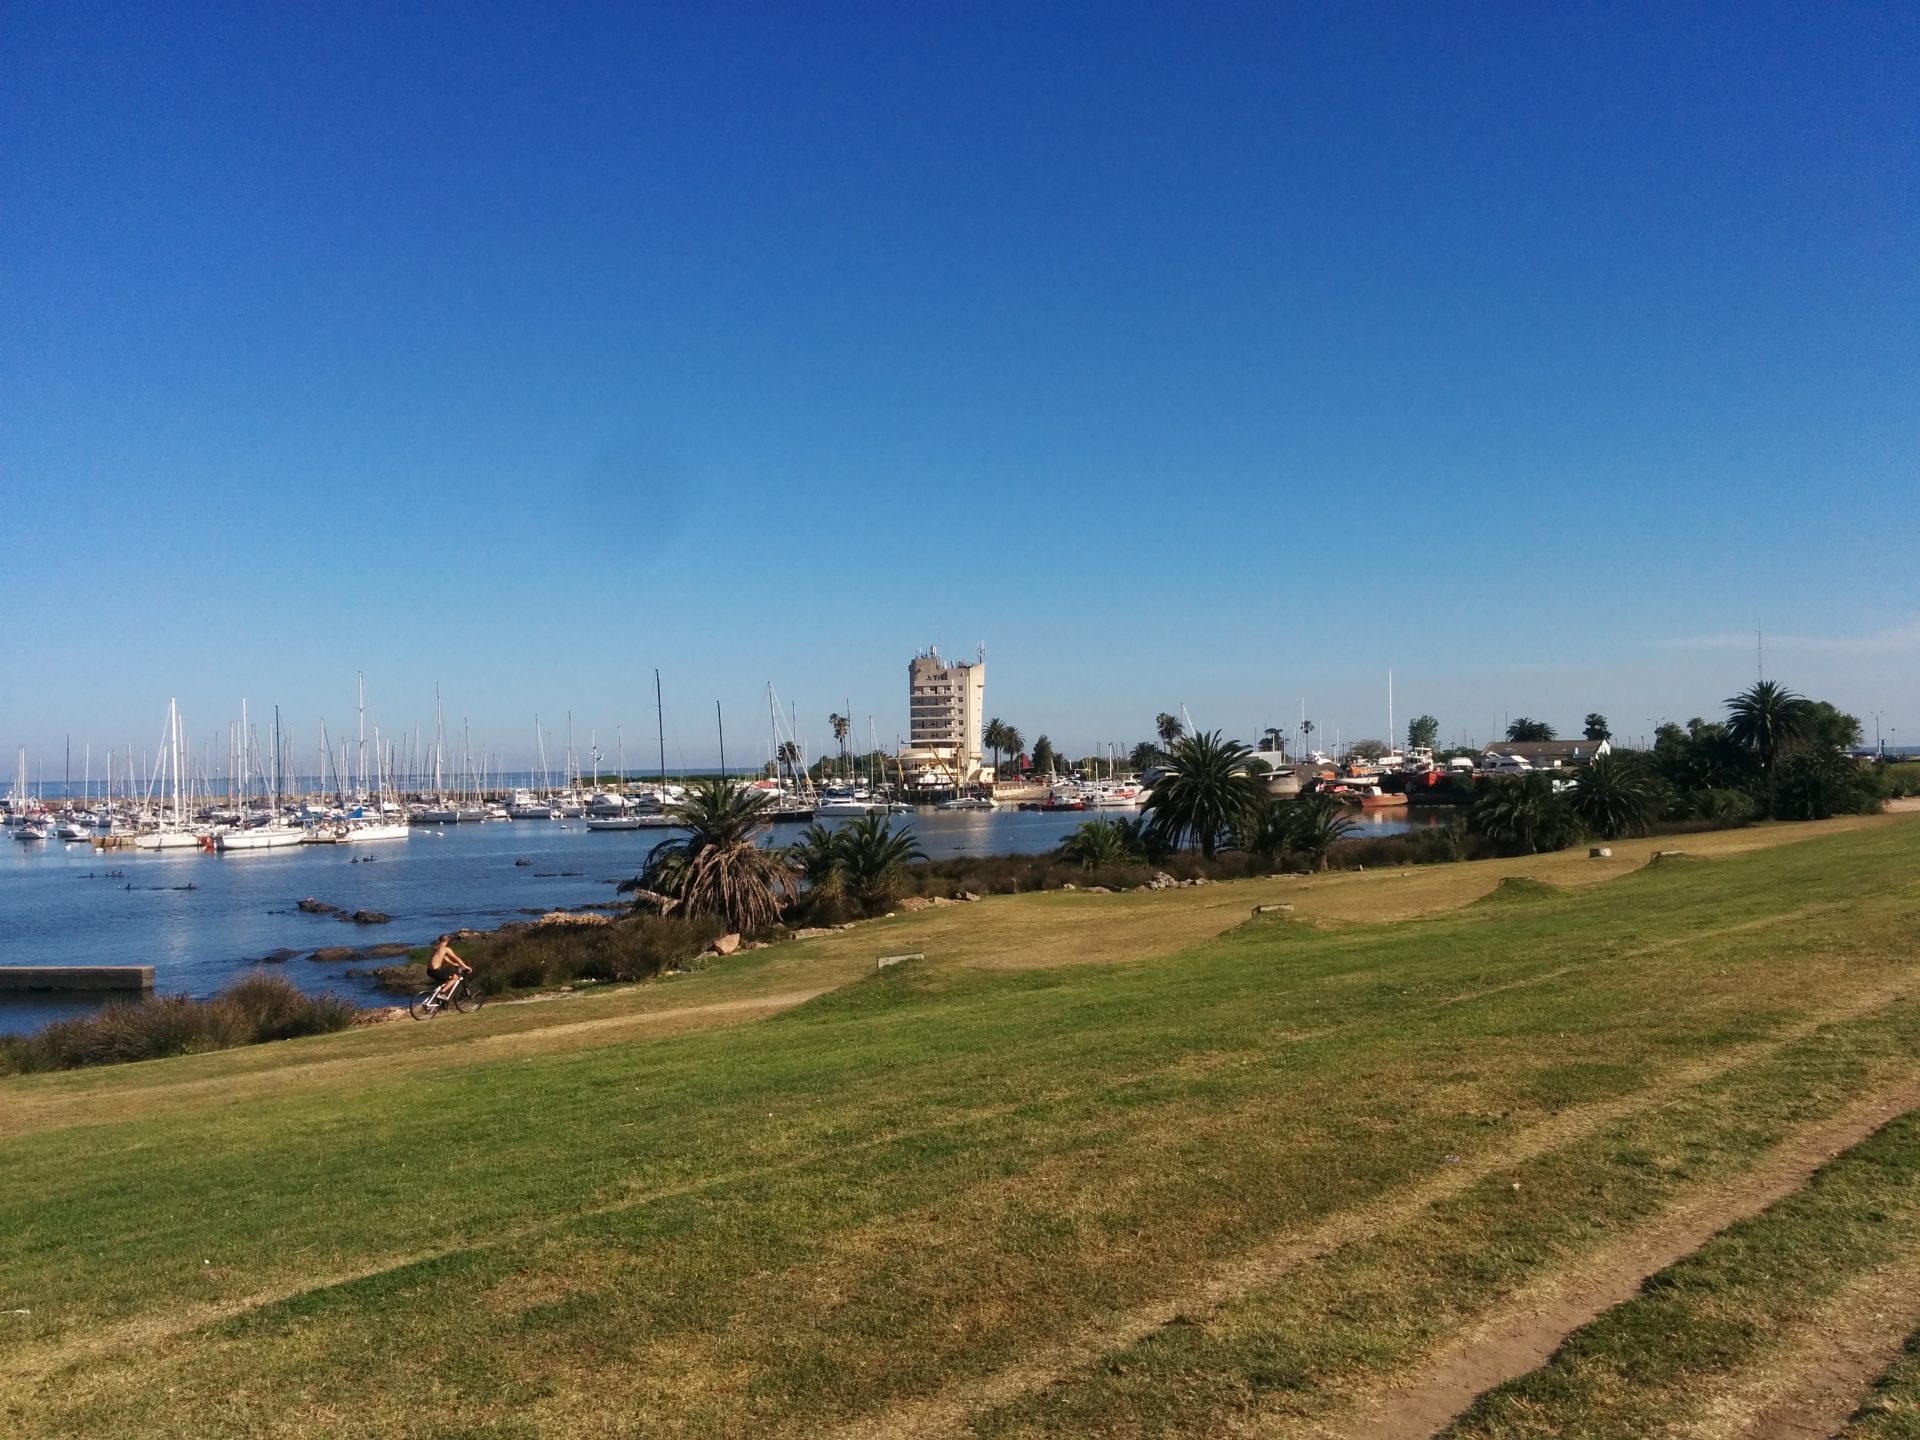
(444, 965)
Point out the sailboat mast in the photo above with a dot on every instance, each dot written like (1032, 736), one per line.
(660, 723)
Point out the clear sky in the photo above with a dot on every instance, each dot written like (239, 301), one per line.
(1218, 355)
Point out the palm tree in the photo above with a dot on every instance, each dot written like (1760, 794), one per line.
(816, 855)
(1011, 741)
(1525, 814)
(787, 757)
(1617, 796)
(993, 737)
(872, 856)
(1525, 729)
(1595, 727)
(1316, 824)
(1205, 792)
(1306, 735)
(1169, 728)
(1145, 756)
(1274, 738)
(1767, 719)
(718, 868)
(842, 727)
(1096, 843)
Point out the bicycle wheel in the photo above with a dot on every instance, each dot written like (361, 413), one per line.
(467, 999)
(422, 1006)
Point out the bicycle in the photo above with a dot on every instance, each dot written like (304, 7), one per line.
(456, 992)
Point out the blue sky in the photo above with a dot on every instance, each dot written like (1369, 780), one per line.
(1224, 356)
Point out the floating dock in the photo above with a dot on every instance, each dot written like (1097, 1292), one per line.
(76, 977)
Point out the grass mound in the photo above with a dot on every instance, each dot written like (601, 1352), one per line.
(1662, 858)
(1519, 890)
(253, 1009)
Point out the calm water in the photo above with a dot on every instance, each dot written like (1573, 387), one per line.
(72, 905)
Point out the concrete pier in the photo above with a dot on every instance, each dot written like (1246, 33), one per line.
(76, 977)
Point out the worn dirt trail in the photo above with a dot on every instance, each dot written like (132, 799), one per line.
(1524, 1333)
(946, 1413)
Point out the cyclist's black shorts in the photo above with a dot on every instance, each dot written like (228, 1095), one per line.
(440, 976)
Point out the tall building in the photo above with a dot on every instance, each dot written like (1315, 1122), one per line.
(946, 706)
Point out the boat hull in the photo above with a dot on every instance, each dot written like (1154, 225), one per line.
(247, 841)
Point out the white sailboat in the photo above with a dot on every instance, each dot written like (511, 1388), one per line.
(276, 834)
(170, 831)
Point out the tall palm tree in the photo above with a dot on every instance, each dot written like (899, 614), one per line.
(718, 867)
(1169, 728)
(993, 736)
(842, 727)
(1595, 727)
(1768, 719)
(1011, 741)
(1306, 736)
(1275, 738)
(1205, 791)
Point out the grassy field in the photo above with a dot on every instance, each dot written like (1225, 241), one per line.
(1120, 1165)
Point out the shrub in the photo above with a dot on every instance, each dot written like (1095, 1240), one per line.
(1816, 783)
(253, 1009)
(534, 957)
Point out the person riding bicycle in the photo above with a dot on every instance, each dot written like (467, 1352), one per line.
(444, 965)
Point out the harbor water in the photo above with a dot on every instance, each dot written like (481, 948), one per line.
(202, 919)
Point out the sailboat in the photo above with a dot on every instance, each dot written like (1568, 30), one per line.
(171, 831)
(373, 818)
(276, 834)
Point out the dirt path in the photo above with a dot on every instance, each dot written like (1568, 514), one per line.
(1523, 1333)
(946, 1412)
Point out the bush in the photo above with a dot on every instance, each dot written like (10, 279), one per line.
(1900, 780)
(535, 957)
(1815, 784)
(253, 1009)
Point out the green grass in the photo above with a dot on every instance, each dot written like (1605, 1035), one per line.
(937, 1171)
(1891, 1410)
(1667, 1355)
